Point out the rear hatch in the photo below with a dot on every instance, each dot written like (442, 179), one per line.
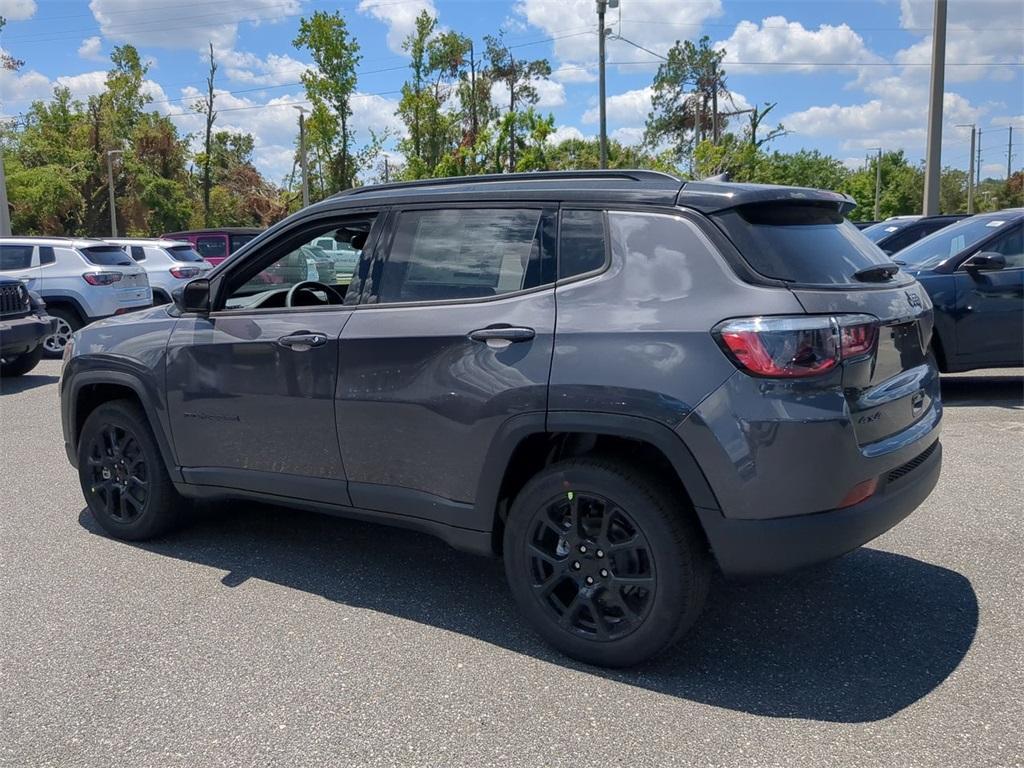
(833, 269)
(133, 287)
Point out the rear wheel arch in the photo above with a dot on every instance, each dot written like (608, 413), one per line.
(67, 304)
(528, 445)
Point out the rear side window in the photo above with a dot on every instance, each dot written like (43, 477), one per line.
(237, 241)
(138, 253)
(804, 244)
(106, 256)
(215, 246)
(15, 256)
(461, 254)
(183, 253)
(581, 245)
(46, 255)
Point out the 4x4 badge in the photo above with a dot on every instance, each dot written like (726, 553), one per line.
(914, 299)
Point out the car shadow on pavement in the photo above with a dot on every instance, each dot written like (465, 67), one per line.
(12, 385)
(855, 640)
(988, 391)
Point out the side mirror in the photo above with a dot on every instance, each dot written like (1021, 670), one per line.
(194, 296)
(985, 262)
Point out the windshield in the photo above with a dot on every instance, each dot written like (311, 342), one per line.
(107, 256)
(183, 253)
(876, 232)
(947, 242)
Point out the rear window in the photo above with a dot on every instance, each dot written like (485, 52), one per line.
(106, 256)
(883, 229)
(803, 244)
(237, 241)
(183, 253)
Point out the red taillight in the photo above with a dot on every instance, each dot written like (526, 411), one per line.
(799, 346)
(101, 278)
(184, 273)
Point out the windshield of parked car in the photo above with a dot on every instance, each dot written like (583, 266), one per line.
(882, 229)
(949, 241)
(106, 256)
(183, 253)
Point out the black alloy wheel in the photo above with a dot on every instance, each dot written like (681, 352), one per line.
(118, 473)
(592, 567)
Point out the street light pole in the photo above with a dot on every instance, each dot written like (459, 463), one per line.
(302, 155)
(5, 213)
(602, 6)
(110, 189)
(878, 181)
(933, 166)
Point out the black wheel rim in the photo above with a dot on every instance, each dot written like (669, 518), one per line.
(591, 567)
(118, 475)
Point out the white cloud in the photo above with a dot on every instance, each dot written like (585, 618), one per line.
(778, 40)
(274, 69)
(628, 136)
(87, 84)
(564, 133)
(162, 25)
(574, 73)
(400, 17)
(17, 10)
(628, 107)
(654, 24)
(17, 89)
(90, 49)
(549, 94)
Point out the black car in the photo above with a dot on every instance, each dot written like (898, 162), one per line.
(24, 325)
(895, 234)
(614, 380)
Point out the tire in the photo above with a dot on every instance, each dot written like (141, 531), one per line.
(123, 476)
(649, 564)
(68, 322)
(19, 365)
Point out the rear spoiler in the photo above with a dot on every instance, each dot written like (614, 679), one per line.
(713, 196)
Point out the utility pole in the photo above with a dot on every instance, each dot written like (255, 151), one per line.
(970, 172)
(110, 189)
(302, 155)
(878, 182)
(511, 111)
(472, 91)
(714, 104)
(602, 5)
(5, 212)
(1009, 155)
(977, 163)
(933, 166)
(387, 170)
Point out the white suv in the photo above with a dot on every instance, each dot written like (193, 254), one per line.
(169, 264)
(80, 279)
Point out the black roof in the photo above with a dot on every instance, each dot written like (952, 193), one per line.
(626, 186)
(214, 231)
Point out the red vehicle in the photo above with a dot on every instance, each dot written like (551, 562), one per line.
(215, 245)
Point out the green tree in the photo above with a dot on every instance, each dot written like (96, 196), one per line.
(330, 87)
(688, 87)
(518, 76)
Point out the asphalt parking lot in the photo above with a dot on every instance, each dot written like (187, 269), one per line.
(268, 637)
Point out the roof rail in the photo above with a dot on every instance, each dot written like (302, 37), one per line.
(487, 178)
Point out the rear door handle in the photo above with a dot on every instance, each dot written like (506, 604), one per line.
(508, 334)
(302, 341)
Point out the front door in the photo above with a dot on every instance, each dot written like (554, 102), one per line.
(251, 386)
(456, 340)
(990, 304)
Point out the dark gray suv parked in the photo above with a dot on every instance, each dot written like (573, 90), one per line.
(615, 380)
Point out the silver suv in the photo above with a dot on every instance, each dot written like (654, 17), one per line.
(169, 264)
(80, 279)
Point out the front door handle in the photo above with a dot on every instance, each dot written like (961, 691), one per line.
(302, 341)
(503, 333)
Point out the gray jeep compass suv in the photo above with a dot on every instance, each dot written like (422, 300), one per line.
(615, 380)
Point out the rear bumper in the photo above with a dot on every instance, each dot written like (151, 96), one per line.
(24, 333)
(758, 547)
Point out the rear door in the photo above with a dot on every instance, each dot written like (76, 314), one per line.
(453, 339)
(990, 304)
(819, 255)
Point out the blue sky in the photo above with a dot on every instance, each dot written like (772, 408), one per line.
(847, 76)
